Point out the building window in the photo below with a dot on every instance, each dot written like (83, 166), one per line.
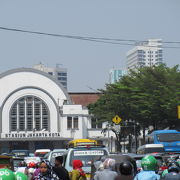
(95, 124)
(62, 78)
(75, 122)
(64, 83)
(69, 122)
(62, 74)
(51, 73)
(29, 113)
(72, 122)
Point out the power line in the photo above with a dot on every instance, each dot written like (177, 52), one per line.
(127, 42)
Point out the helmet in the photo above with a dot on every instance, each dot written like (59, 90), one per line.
(20, 176)
(126, 168)
(109, 163)
(149, 163)
(6, 174)
(32, 165)
(174, 167)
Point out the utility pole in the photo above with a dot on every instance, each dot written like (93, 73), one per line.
(135, 138)
(108, 126)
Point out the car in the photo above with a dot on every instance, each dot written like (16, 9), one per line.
(20, 153)
(41, 152)
(151, 148)
(52, 154)
(17, 161)
(32, 159)
(86, 154)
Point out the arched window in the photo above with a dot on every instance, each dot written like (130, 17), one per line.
(29, 113)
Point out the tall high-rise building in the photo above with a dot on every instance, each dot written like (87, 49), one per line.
(115, 75)
(60, 74)
(148, 53)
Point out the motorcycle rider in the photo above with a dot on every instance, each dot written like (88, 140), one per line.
(6, 174)
(173, 172)
(149, 166)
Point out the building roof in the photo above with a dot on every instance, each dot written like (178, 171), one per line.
(18, 70)
(84, 98)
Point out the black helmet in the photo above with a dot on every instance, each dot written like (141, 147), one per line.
(174, 167)
(126, 168)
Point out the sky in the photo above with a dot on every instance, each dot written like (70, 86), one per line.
(88, 63)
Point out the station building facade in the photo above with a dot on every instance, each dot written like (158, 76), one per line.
(37, 112)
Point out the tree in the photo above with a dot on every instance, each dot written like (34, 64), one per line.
(149, 96)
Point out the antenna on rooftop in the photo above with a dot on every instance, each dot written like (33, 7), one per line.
(92, 88)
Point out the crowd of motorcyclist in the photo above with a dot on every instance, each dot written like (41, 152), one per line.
(105, 169)
(128, 171)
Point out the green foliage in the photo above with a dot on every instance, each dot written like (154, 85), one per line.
(149, 96)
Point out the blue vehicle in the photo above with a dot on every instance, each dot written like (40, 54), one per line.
(20, 153)
(169, 138)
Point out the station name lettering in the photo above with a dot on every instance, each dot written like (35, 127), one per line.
(30, 135)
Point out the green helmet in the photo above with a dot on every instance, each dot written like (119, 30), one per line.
(20, 176)
(149, 163)
(6, 174)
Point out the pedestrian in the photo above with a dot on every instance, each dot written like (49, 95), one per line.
(149, 166)
(61, 172)
(123, 158)
(6, 174)
(36, 170)
(107, 173)
(77, 173)
(169, 161)
(46, 172)
(20, 176)
(31, 169)
(23, 168)
(126, 171)
(97, 165)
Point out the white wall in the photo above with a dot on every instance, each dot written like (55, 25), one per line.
(17, 80)
(24, 92)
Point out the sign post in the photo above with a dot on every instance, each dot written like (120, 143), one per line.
(116, 120)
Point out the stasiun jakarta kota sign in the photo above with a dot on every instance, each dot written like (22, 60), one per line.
(30, 135)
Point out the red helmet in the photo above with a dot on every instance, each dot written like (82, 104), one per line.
(32, 165)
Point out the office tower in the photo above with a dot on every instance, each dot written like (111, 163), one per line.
(148, 53)
(115, 75)
(59, 73)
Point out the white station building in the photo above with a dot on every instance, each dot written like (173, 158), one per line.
(36, 112)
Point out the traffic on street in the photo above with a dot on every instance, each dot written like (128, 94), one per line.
(87, 159)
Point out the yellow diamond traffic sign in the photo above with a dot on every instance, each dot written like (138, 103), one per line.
(178, 109)
(116, 119)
